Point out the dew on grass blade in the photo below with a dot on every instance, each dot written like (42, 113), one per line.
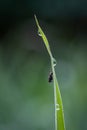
(39, 33)
(54, 62)
(57, 107)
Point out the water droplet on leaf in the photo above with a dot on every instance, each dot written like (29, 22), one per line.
(57, 107)
(54, 62)
(39, 33)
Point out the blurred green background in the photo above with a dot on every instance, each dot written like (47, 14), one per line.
(26, 97)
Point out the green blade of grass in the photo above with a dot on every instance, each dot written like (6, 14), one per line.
(59, 115)
(41, 33)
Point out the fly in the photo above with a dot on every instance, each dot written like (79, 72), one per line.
(50, 78)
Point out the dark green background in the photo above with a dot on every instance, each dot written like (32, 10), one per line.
(26, 97)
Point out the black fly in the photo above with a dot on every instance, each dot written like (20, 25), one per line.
(50, 78)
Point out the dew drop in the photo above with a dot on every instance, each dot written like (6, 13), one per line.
(57, 107)
(54, 62)
(39, 33)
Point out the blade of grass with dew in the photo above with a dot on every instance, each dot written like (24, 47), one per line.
(59, 115)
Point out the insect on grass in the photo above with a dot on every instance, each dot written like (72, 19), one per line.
(50, 78)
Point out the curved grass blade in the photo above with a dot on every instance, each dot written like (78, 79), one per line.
(41, 33)
(59, 115)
